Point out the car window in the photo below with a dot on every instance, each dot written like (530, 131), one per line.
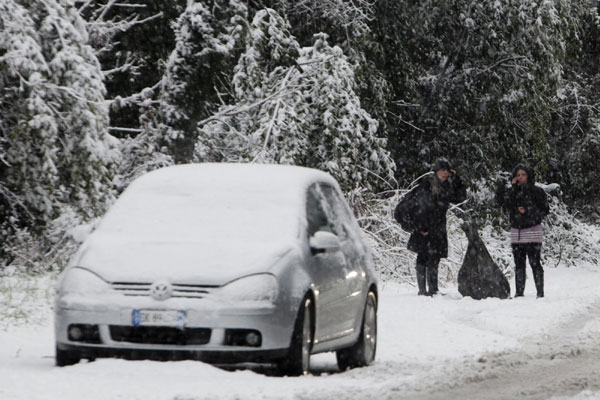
(337, 211)
(315, 214)
(341, 215)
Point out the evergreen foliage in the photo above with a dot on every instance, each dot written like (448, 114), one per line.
(55, 151)
(371, 91)
(347, 26)
(344, 136)
(132, 39)
(478, 80)
(207, 36)
(265, 124)
(575, 127)
(296, 106)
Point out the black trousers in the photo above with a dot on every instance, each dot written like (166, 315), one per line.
(532, 251)
(427, 273)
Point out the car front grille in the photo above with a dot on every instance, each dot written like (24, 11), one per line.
(179, 290)
(160, 335)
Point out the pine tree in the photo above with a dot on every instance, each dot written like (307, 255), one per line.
(344, 134)
(55, 150)
(575, 130)
(132, 40)
(292, 110)
(348, 25)
(475, 80)
(207, 36)
(266, 122)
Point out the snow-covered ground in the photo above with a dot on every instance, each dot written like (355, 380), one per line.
(424, 343)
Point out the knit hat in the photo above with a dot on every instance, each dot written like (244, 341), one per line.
(441, 163)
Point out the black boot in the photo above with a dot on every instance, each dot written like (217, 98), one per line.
(432, 280)
(421, 281)
(538, 277)
(519, 282)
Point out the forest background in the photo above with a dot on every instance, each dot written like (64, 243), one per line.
(95, 93)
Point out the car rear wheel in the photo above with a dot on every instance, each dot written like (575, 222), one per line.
(298, 361)
(66, 357)
(362, 353)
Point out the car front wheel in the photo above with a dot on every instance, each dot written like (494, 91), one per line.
(298, 361)
(362, 353)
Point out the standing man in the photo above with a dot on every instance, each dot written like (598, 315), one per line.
(527, 205)
(425, 217)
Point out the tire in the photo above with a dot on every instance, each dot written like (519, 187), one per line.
(298, 361)
(66, 357)
(362, 353)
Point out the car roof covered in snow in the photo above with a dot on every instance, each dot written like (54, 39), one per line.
(233, 177)
(184, 201)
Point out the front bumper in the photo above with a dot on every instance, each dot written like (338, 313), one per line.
(208, 332)
(209, 356)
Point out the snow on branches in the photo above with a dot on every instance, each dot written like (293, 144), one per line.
(54, 141)
(296, 106)
(206, 40)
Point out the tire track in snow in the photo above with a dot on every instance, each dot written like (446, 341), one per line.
(562, 363)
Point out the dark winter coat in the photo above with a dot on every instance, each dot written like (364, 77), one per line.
(429, 213)
(532, 197)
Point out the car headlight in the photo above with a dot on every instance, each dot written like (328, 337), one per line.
(81, 281)
(260, 287)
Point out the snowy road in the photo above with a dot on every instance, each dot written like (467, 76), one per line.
(447, 347)
(561, 364)
(537, 378)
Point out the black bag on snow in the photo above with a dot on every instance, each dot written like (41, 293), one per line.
(479, 277)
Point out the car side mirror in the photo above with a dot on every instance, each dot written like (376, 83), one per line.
(324, 242)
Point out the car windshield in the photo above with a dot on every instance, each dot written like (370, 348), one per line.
(201, 211)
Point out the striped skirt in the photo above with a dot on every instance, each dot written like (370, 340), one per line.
(533, 234)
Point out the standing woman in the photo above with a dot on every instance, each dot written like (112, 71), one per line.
(430, 201)
(527, 206)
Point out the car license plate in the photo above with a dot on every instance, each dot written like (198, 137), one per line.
(158, 318)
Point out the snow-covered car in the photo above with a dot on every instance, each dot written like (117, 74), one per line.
(224, 263)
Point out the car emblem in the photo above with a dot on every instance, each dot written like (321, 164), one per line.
(160, 290)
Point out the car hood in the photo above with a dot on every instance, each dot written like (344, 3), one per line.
(178, 262)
